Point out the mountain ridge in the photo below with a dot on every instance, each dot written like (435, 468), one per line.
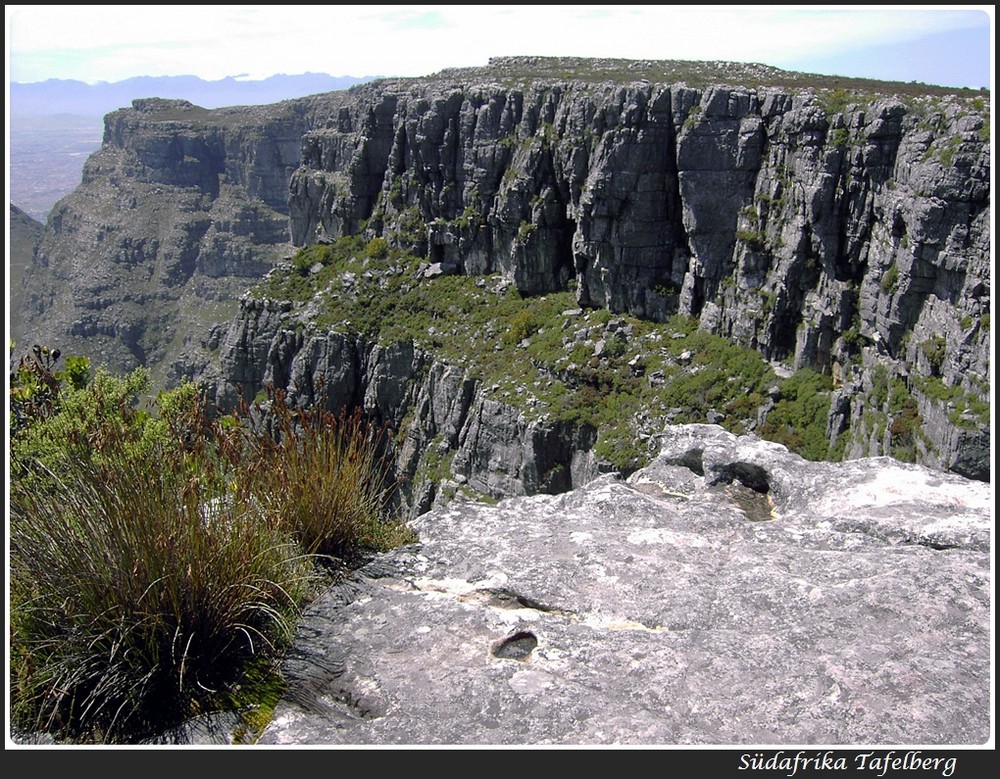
(69, 96)
(56, 124)
(773, 217)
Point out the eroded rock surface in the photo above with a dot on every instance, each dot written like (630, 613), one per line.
(728, 593)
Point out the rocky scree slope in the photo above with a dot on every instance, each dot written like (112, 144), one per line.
(839, 226)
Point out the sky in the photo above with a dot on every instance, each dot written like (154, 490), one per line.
(947, 45)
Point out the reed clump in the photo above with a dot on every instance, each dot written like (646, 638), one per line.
(159, 561)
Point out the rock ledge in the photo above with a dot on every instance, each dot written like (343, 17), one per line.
(729, 593)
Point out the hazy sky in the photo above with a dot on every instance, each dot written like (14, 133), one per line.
(948, 45)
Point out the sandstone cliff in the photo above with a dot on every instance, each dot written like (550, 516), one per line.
(841, 227)
(179, 211)
(823, 227)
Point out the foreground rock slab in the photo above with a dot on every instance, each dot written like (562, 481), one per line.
(729, 593)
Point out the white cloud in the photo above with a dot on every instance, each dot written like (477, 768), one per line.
(114, 42)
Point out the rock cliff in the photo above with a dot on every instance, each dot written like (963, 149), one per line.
(839, 226)
(828, 228)
(25, 233)
(177, 214)
(452, 434)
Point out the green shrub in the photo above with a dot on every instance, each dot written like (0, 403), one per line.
(81, 424)
(755, 239)
(377, 248)
(965, 409)
(836, 100)
(409, 228)
(799, 419)
(890, 281)
(947, 152)
(522, 324)
(879, 395)
(934, 349)
(723, 376)
(303, 261)
(469, 217)
(524, 230)
(906, 422)
(158, 563)
(840, 137)
(617, 443)
(615, 348)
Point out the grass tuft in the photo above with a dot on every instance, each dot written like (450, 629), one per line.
(158, 566)
(323, 478)
(133, 598)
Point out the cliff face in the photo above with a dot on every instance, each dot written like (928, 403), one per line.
(180, 210)
(453, 436)
(823, 227)
(24, 235)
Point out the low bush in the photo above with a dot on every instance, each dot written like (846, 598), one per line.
(799, 419)
(934, 349)
(159, 563)
(377, 248)
(890, 281)
(135, 602)
(523, 324)
(840, 137)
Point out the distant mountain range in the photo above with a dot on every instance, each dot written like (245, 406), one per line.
(62, 96)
